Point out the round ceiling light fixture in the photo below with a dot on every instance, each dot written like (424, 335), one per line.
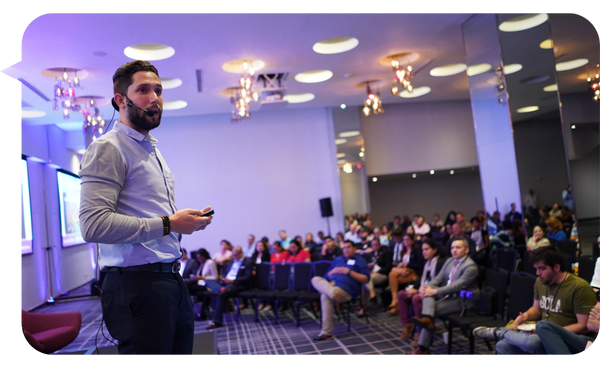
(170, 83)
(447, 70)
(351, 133)
(340, 141)
(335, 45)
(551, 88)
(237, 66)
(527, 109)
(299, 98)
(313, 76)
(417, 92)
(547, 44)
(478, 69)
(32, 114)
(571, 64)
(512, 68)
(523, 22)
(174, 105)
(149, 51)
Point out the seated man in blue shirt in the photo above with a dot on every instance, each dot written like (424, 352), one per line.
(342, 282)
(237, 276)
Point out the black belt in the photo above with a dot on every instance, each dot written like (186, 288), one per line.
(151, 267)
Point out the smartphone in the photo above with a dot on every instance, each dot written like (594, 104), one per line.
(209, 213)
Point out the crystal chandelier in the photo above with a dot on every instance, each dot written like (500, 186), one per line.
(64, 93)
(372, 103)
(244, 95)
(402, 77)
(595, 84)
(93, 121)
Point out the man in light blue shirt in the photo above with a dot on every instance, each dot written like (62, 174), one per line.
(128, 207)
(249, 251)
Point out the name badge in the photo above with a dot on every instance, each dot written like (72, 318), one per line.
(351, 262)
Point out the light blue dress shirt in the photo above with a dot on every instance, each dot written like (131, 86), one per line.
(126, 186)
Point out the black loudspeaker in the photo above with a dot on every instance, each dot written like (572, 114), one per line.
(326, 210)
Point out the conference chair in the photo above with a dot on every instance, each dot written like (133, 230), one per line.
(486, 308)
(49, 332)
(318, 268)
(262, 283)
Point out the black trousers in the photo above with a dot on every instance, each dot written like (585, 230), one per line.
(148, 312)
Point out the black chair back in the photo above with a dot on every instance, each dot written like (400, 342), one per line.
(587, 264)
(527, 265)
(262, 278)
(498, 279)
(302, 271)
(282, 276)
(595, 250)
(505, 258)
(320, 268)
(568, 247)
(521, 293)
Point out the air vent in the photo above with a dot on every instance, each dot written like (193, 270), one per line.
(199, 79)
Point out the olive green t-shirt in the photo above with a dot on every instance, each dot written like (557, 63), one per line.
(575, 296)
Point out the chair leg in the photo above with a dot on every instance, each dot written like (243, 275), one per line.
(297, 313)
(256, 310)
(450, 327)
(237, 308)
(276, 311)
(348, 314)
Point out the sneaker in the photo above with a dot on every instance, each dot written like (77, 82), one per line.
(322, 337)
(488, 333)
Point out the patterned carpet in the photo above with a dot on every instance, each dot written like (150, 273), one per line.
(381, 336)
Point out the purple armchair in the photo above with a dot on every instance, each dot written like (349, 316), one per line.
(48, 332)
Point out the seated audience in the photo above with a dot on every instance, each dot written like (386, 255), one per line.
(512, 215)
(329, 251)
(442, 295)
(407, 270)
(339, 239)
(310, 244)
(437, 222)
(595, 283)
(225, 255)
(434, 257)
(538, 239)
(279, 254)
(343, 282)
(237, 277)
(450, 218)
(559, 297)
(187, 265)
(466, 226)
(261, 254)
(517, 232)
(380, 265)
(284, 239)
(206, 270)
(249, 251)
(555, 211)
(421, 227)
(297, 253)
(502, 239)
(458, 233)
(320, 238)
(352, 233)
(385, 236)
(482, 242)
(554, 229)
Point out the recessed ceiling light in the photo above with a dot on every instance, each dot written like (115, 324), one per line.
(478, 69)
(313, 76)
(528, 109)
(174, 105)
(417, 92)
(340, 155)
(30, 114)
(451, 172)
(299, 98)
(547, 44)
(343, 106)
(340, 141)
(446, 70)
(352, 133)
(414, 175)
(523, 22)
(335, 45)
(237, 66)
(149, 51)
(374, 179)
(432, 172)
(551, 88)
(169, 83)
(571, 64)
(512, 68)
(342, 161)
(81, 151)
(573, 126)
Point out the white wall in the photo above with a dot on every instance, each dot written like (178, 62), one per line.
(412, 137)
(261, 175)
(355, 191)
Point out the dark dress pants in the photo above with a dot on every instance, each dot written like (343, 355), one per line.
(148, 312)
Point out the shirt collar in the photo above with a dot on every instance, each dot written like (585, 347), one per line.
(120, 127)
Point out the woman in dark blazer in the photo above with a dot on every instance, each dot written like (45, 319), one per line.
(261, 254)
(434, 257)
(407, 271)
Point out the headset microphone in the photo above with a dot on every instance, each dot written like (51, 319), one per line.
(149, 113)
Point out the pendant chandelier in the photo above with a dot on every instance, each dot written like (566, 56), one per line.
(93, 121)
(244, 95)
(64, 93)
(373, 103)
(595, 84)
(402, 77)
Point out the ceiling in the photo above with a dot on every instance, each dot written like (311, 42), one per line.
(284, 42)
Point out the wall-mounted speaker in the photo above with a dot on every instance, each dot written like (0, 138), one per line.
(326, 210)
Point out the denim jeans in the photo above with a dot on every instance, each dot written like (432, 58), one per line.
(557, 340)
(516, 342)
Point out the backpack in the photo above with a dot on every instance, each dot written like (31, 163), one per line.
(487, 302)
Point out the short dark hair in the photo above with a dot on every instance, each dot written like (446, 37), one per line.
(350, 242)
(550, 255)
(397, 233)
(203, 252)
(464, 240)
(226, 242)
(328, 237)
(433, 244)
(123, 77)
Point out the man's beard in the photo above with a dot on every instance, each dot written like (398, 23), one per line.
(139, 120)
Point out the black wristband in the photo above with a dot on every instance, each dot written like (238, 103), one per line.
(349, 270)
(166, 225)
